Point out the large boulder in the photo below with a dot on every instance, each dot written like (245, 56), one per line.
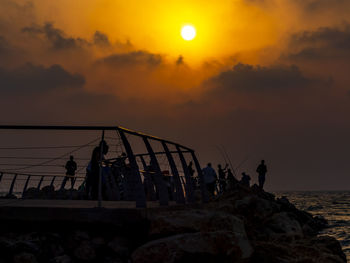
(256, 207)
(220, 246)
(24, 258)
(188, 221)
(283, 224)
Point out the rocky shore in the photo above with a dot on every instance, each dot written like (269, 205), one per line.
(244, 225)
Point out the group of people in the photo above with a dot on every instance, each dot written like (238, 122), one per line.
(226, 179)
(215, 182)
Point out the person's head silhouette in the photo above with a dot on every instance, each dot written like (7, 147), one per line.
(71, 157)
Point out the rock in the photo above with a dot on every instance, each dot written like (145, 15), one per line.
(284, 224)
(199, 247)
(120, 246)
(24, 258)
(98, 241)
(26, 246)
(307, 250)
(194, 221)
(85, 251)
(62, 259)
(256, 207)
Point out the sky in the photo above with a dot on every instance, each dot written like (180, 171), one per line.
(262, 79)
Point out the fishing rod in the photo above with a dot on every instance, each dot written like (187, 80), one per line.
(221, 153)
(241, 163)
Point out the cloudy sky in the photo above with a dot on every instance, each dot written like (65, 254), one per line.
(265, 79)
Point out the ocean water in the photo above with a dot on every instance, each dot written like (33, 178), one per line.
(334, 206)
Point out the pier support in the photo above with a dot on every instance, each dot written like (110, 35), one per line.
(135, 173)
(180, 199)
(26, 186)
(12, 184)
(40, 182)
(147, 181)
(205, 197)
(188, 185)
(160, 184)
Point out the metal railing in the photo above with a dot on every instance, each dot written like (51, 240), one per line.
(183, 188)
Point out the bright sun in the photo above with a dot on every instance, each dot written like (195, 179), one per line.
(188, 32)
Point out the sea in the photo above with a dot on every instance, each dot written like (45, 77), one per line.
(332, 205)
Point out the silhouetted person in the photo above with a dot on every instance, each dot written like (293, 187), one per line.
(222, 177)
(191, 172)
(210, 178)
(231, 180)
(94, 169)
(261, 170)
(245, 180)
(71, 167)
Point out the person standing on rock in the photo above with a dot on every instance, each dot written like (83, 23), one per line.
(222, 177)
(245, 180)
(210, 178)
(261, 170)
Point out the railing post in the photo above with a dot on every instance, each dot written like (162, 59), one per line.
(63, 184)
(147, 181)
(188, 186)
(205, 197)
(12, 184)
(180, 199)
(100, 171)
(135, 173)
(40, 182)
(160, 184)
(52, 181)
(25, 186)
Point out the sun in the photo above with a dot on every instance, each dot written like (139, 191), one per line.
(188, 32)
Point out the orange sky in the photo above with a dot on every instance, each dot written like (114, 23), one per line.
(262, 77)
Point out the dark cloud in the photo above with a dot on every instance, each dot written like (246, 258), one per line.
(323, 43)
(318, 5)
(132, 59)
(180, 60)
(4, 46)
(248, 78)
(57, 38)
(30, 78)
(101, 39)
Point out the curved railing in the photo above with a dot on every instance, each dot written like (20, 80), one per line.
(175, 159)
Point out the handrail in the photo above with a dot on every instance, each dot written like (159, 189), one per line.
(88, 128)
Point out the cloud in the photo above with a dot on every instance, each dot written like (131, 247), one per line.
(101, 39)
(318, 5)
(31, 78)
(257, 79)
(326, 42)
(4, 46)
(57, 38)
(132, 59)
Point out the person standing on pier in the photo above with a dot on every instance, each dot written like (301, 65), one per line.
(261, 170)
(191, 172)
(94, 170)
(71, 167)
